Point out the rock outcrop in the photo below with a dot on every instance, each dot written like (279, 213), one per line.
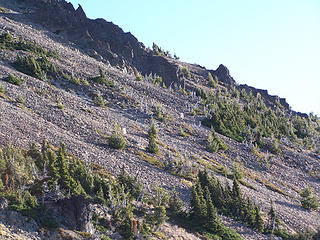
(75, 212)
(223, 75)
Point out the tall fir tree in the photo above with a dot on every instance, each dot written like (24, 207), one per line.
(53, 171)
(65, 181)
(197, 204)
(213, 221)
(258, 221)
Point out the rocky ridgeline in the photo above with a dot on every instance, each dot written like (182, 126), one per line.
(107, 42)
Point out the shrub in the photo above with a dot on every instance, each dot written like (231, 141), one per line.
(2, 89)
(309, 200)
(7, 41)
(59, 104)
(182, 132)
(116, 140)
(214, 143)
(157, 80)
(98, 100)
(37, 68)
(2, 9)
(139, 77)
(14, 80)
(72, 79)
(185, 72)
(20, 99)
(102, 79)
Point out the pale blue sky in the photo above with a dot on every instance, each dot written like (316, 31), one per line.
(268, 44)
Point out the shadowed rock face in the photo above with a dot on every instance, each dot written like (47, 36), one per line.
(75, 212)
(104, 38)
(223, 75)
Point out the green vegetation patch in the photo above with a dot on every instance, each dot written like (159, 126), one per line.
(38, 68)
(152, 160)
(2, 9)
(2, 89)
(102, 79)
(14, 80)
(8, 42)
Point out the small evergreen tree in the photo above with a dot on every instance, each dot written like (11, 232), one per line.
(258, 221)
(65, 180)
(175, 203)
(309, 200)
(212, 81)
(198, 204)
(214, 143)
(160, 215)
(273, 222)
(152, 146)
(53, 169)
(213, 222)
(126, 228)
(152, 137)
(182, 132)
(116, 140)
(236, 191)
(236, 171)
(29, 200)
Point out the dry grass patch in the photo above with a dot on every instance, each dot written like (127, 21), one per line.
(274, 188)
(151, 160)
(138, 128)
(165, 146)
(216, 168)
(188, 128)
(186, 182)
(103, 135)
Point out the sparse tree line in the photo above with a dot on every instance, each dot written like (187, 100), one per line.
(30, 177)
(244, 117)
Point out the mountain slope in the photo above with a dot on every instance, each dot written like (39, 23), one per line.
(83, 126)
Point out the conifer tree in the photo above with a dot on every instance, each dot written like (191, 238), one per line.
(36, 155)
(53, 171)
(99, 197)
(213, 221)
(152, 137)
(116, 140)
(65, 181)
(273, 222)
(195, 204)
(212, 81)
(203, 178)
(198, 204)
(126, 228)
(258, 221)
(309, 200)
(219, 196)
(236, 202)
(160, 215)
(175, 203)
(236, 191)
(152, 146)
